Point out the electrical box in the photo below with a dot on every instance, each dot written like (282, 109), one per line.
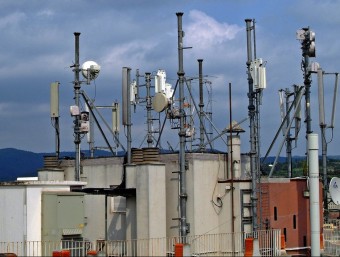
(74, 110)
(54, 104)
(62, 215)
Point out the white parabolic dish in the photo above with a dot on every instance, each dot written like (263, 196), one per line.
(93, 68)
(334, 190)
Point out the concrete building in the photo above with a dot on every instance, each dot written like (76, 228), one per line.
(140, 200)
(153, 211)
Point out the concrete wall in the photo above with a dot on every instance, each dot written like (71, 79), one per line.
(100, 173)
(12, 214)
(151, 201)
(157, 196)
(206, 180)
(20, 205)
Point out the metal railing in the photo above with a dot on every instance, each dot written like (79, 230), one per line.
(225, 244)
(331, 239)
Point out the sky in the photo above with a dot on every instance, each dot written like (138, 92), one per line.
(37, 48)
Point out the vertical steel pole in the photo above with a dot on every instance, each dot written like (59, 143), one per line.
(128, 111)
(181, 133)
(307, 82)
(288, 138)
(251, 114)
(76, 82)
(323, 139)
(148, 108)
(314, 203)
(201, 104)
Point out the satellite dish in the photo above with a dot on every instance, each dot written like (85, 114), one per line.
(334, 190)
(90, 70)
(160, 102)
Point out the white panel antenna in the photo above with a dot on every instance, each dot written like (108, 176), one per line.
(54, 105)
(133, 91)
(115, 117)
(334, 190)
(168, 90)
(160, 79)
(258, 73)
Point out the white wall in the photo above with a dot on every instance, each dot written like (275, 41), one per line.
(12, 214)
(20, 205)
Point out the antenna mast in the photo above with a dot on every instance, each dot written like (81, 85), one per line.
(201, 104)
(77, 86)
(184, 229)
(251, 114)
(148, 108)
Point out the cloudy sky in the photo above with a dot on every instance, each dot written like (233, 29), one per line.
(37, 48)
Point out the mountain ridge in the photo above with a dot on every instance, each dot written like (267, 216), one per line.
(22, 163)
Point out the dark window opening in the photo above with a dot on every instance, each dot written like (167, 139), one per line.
(275, 213)
(285, 233)
(294, 221)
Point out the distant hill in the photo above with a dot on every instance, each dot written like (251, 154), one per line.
(16, 163)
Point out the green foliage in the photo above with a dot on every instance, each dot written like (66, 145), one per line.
(299, 168)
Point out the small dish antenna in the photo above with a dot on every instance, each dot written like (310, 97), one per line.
(90, 70)
(160, 102)
(334, 190)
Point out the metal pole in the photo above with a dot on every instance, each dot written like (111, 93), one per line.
(288, 138)
(57, 137)
(201, 104)
(323, 140)
(126, 88)
(182, 171)
(91, 132)
(251, 114)
(77, 86)
(231, 173)
(148, 108)
(307, 83)
(314, 205)
(106, 238)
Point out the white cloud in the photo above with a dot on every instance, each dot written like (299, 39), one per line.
(45, 13)
(205, 32)
(11, 19)
(128, 54)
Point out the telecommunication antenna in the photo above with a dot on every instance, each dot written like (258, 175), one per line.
(75, 109)
(90, 71)
(54, 111)
(83, 119)
(307, 39)
(323, 126)
(256, 83)
(184, 226)
(334, 190)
